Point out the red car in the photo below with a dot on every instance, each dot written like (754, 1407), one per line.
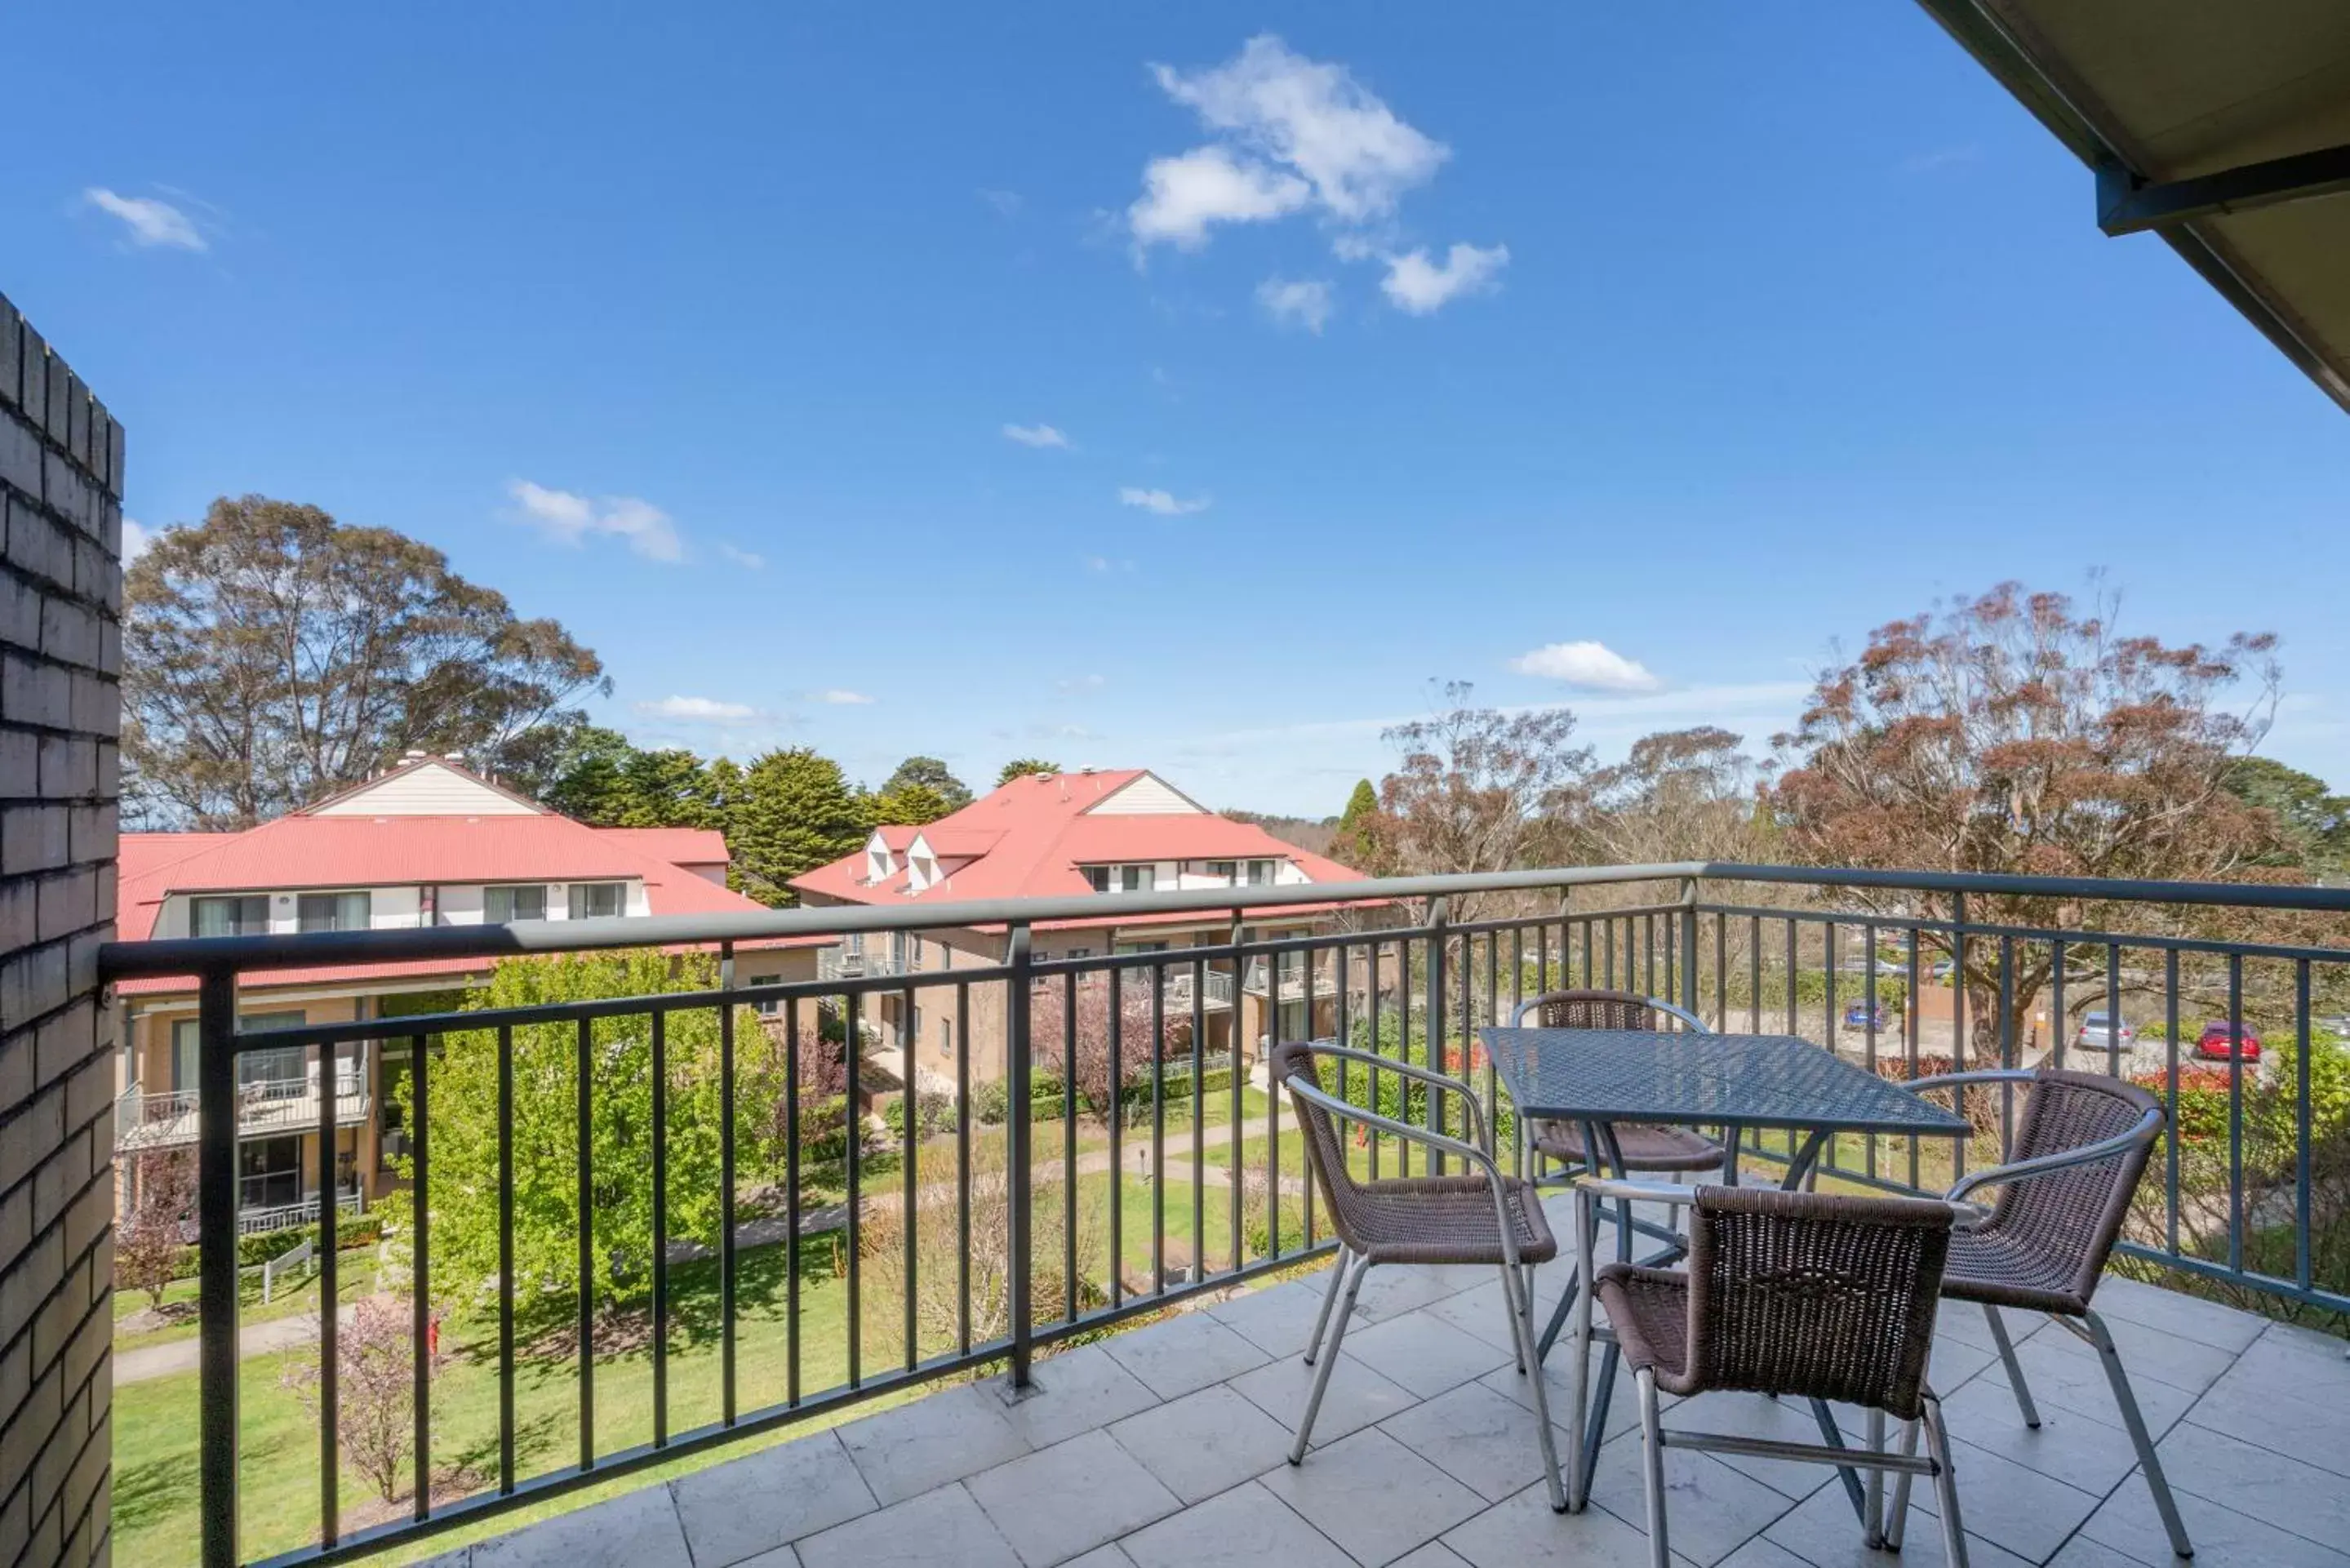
(2219, 1042)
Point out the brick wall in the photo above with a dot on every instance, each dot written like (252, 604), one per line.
(60, 713)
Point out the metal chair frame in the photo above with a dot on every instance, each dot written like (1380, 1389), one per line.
(1517, 1277)
(1655, 1439)
(2092, 1328)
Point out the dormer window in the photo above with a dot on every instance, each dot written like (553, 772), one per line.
(880, 863)
(504, 905)
(1122, 878)
(1260, 872)
(245, 916)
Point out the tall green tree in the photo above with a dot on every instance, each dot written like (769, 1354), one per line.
(795, 811)
(273, 656)
(1021, 767)
(2315, 821)
(930, 773)
(914, 803)
(1356, 843)
(465, 1189)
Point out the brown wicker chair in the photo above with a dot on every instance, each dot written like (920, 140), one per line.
(1796, 1293)
(1643, 1147)
(1478, 1217)
(2079, 1152)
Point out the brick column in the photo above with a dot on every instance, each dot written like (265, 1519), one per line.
(60, 714)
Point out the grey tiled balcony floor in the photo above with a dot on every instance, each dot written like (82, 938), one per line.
(1165, 1445)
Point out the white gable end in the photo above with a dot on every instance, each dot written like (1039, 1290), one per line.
(1149, 796)
(430, 789)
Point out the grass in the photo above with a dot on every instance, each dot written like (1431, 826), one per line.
(354, 1278)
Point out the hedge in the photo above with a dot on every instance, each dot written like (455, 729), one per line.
(352, 1231)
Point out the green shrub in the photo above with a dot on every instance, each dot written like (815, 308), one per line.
(934, 1114)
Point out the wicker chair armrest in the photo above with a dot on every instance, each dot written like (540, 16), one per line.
(1410, 1070)
(2149, 1127)
(1475, 1157)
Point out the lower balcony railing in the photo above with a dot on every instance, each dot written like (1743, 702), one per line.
(638, 1225)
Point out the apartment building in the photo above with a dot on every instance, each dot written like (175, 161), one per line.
(428, 843)
(1108, 833)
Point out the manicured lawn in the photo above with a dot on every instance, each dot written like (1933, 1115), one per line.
(354, 1278)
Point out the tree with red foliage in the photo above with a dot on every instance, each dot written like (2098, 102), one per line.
(1048, 1025)
(2014, 733)
(375, 1388)
(150, 1239)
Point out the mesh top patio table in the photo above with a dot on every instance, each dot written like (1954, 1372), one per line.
(1734, 1082)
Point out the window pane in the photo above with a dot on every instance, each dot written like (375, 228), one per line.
(595, 901)
(500, 905)
(333, 911)
(243, 917)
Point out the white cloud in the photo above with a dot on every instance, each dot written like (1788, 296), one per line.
(749, 560)
(1312, 119)
(698, 710)
(839, 698)
(1037, 436)
(151, 221)
(1418, 285)
(1159, 502)
(137, 539)
(1295, 302)
(569, 519)
(1593, 666)
(1184, 194)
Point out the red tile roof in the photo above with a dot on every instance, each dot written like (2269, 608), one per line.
(1029, 838)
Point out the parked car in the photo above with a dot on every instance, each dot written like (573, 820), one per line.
(2104, 1032)
(1861, 1016)
(2220, 1042)
(2335, 1024)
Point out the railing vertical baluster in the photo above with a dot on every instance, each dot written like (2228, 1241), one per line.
(1372, 1044)
(1961, 1058)
(1909, 1031)
(2113, 1010)
(2236, 1111)
(727, 1404)
(420, 1284)
(2059, 1013)
(217, 1266)
(2170, 1081)
(1869, 945)
(792, 1193)
(1069, 1139)
(910, 1222)
(853, 1049)
(2301, 1262)
(962, 1158)
(1720, 971)
(1437, 942)
(584, 1051)
(1158, 1127)
(1828, 985)
(1492, 1007)
(1236, 1118)
(505, 1261)
(1020, 1177)
(329, 1325)
(2007, 1044)
(1116, 980)
(1200, 1115)
(660, 1225)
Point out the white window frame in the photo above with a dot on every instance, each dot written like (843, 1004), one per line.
(510, 889)
(582, 891)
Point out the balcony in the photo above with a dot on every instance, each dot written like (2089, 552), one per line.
(751, 1272)
(145, 1122)
(841, 963)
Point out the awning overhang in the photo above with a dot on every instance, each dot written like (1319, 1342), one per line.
(2224, 127)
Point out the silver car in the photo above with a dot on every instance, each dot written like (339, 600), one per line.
(2104, 1032)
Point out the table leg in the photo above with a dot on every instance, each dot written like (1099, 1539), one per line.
(1805, 1158)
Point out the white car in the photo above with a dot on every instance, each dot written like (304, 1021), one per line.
(2104, 1032)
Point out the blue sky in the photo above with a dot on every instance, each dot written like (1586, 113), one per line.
(1352, 347)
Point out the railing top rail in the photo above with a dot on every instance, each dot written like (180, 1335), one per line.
(195, 955)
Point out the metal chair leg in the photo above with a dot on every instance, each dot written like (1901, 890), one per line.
(2142, 1439)
(2014, 1367)
(1652, 1451)
(1329, 1360)
(1946, 1485)
(1876, 1521)
(1901, 1489)
(1521, 1333)
(1338, 1277)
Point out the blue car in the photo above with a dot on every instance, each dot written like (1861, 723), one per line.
(1861, 1016)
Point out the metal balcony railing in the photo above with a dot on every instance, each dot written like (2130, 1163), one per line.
(1032, 1228)
(145, 1121)
(839, 963)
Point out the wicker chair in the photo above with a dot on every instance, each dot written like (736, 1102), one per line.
(2079, 1153)
(1478, 1216)
(1639, 1146)
(1795, 1293)
(1643, 1147)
